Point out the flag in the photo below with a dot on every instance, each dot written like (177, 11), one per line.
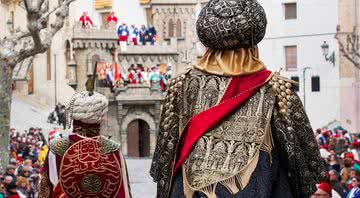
(109, 74)
(117, 76)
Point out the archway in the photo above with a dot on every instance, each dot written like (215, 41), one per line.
(138, 139)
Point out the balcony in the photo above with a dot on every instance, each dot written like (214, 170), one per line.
(139, 92)
(103, 37)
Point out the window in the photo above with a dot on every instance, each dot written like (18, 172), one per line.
(171, 28)
(315, 84)
(291, 57)
(296, 79)
(290, 11)
(178, 28)
(67, 57)
(48, 64)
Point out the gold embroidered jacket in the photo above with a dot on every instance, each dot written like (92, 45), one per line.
(291, 131)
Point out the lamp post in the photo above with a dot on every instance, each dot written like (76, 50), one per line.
(304, 84)
(325, 49)
(10, 26)
(72, 74)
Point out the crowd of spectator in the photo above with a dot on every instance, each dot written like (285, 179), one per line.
(21, 178)
(340, 150)
(126, 34)
(114, 76)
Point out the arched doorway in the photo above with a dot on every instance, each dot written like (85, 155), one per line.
(138, 139)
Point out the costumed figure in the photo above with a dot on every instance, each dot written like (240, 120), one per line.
(152, 35)
(139, 76)
(229, 127)
(157, 81)
(132, 79)
(112, 18)
(85, 164)
(134, 34)
(86, 21)
(123, 33)
(143, 34)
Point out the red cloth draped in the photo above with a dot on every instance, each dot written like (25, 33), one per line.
(239, 91)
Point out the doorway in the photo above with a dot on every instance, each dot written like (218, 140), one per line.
(138, 139)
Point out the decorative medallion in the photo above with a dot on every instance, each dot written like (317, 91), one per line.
(87, 172)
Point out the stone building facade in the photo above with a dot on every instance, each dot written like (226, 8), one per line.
(349, 21)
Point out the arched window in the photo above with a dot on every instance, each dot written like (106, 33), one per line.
(171, 28)
(178, 28)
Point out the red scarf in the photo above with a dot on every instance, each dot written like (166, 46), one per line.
(240, 89)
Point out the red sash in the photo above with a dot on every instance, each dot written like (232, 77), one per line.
(239, 91)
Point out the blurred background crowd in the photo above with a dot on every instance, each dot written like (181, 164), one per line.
(22, 176)
(340, 150)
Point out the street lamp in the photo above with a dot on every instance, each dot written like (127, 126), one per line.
(72, 65)
(325, 49)
(10, 25)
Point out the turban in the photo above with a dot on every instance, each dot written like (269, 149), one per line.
(89, 109)
(229, 24)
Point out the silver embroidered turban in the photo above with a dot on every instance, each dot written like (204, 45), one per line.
(229, 24)
(87, 108)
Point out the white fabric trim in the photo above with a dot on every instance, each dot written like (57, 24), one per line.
(53, 174)
(125, 175)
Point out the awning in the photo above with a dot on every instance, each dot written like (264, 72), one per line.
(101, 4)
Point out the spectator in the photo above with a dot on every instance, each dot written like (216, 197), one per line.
(355, 191)
(143, 32)
(11, 190)
(345, 171)
(323, 191)
(152, 35)
(123, 33)
(86, 21)
(112, 18)
(10, 171)
(334, 181)
(2, 190)
(134, 34)
(23, 186)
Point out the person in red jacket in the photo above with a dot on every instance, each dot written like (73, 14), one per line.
(85, 20)
(112, 18)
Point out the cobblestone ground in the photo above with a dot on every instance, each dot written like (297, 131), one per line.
(142, 185)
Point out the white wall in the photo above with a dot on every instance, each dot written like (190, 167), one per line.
(129, 11)
(316, 22)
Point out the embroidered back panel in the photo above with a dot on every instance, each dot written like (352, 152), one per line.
(86, 171)
(229, 148)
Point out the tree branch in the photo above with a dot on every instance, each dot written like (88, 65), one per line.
(350, 52)
(37, 14)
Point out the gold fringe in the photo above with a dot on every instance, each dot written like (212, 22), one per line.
(230, 185)
(188, 192)
(209, 191)
(239, 180)
(245, 174)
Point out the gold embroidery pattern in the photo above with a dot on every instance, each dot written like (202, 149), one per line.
(59, 146)
(189, 93)
(91, 183)
(225, 151)
(44, 186)
(86, 172)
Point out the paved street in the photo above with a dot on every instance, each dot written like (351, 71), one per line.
(142, 185)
